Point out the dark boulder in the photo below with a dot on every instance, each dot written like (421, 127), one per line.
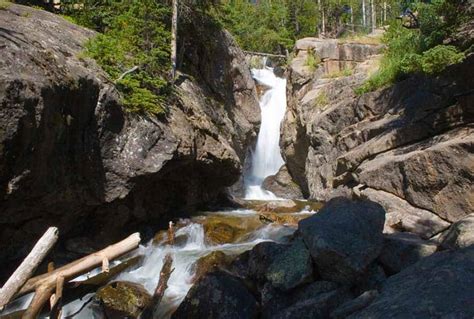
(218, 295)
(326, 295)
(291, 268)
(439, 286)
(354, 305)
(344, 238)
(401, 250)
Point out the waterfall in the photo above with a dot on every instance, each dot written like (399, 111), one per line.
(266, 158)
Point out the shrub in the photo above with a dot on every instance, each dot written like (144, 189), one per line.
(312, 60)
(321, 100)
(438, 58)
(4, 4)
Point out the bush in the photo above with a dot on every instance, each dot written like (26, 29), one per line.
(438, 58)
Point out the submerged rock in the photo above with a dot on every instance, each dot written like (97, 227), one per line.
(221, 229)
(122, 299)
(460, 234)
(218, 295)
(401, 250)
(344, 238)
(439, 286)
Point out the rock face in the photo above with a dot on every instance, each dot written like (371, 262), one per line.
(440, 286)
(218, 295)
(71, 157)
(460, 234)
(282, 185)
(344, 237)
(408, 147)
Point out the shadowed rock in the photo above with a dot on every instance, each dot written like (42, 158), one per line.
(344, 238)
(460, 234)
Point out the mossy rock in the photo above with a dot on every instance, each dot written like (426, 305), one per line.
(228, 229)
(123, 299)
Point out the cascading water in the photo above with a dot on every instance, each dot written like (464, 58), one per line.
(266, 158)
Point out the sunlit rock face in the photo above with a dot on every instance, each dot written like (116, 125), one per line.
(407, 147)
(70, 156)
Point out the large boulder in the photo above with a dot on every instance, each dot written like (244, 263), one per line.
(218, 295)
(439, 286)
(282, 185)
(460, 234)
(354, 305)
(401, 250)
(344, 237)
(70, 156)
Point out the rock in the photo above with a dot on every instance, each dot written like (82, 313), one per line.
(319, 307)
(123, 299)
(291, 268)
(253, 264)
(401, 216)
(354, 305)
(401, 250)
(221, 229)
(407, 147)
(439, 286)
(113, 171)
(210, 262)
(275, 301)
(460, 234)
(282, 185)
(218, 295)
(344, 238)
(372, 280)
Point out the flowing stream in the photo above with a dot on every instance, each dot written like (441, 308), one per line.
(196, 237)
(266, 158)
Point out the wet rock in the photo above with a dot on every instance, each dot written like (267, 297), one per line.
(253, 264)
(228, 229)
(291, 268)
(124, 299)
(439, 286)
(282, 185)
(344, 238)
(354, 305)
(218, 295)
(460, 234)
(282, 219)
(210, 262)
(401, 250)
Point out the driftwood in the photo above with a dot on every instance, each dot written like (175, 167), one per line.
(124, 74)
(165, 275)
(279, 56)
(44, 285)
(171, 235)
(28, 266)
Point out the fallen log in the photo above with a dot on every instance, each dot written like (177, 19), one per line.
(165, 275)
(45, 284)
(28, 266)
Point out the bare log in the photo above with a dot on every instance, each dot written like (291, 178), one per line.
(165, 275)
(28, 266)
(279, 56)
(174, 37)
(171, 233)
(124, 74)
(45, 284)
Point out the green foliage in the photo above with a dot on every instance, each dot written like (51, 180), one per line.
(312, 61)
(136, 34)
(4, 4)
(321, 100)
(419, 50)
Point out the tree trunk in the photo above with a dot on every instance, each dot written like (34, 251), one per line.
(174, 37)
(384, 12)
(364, 20)
(319, 19)
(374, 15)
(28, 266)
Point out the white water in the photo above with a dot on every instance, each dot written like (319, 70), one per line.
(266, 158)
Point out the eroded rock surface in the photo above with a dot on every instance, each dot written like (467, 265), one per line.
(70, 156)
(408, 147)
